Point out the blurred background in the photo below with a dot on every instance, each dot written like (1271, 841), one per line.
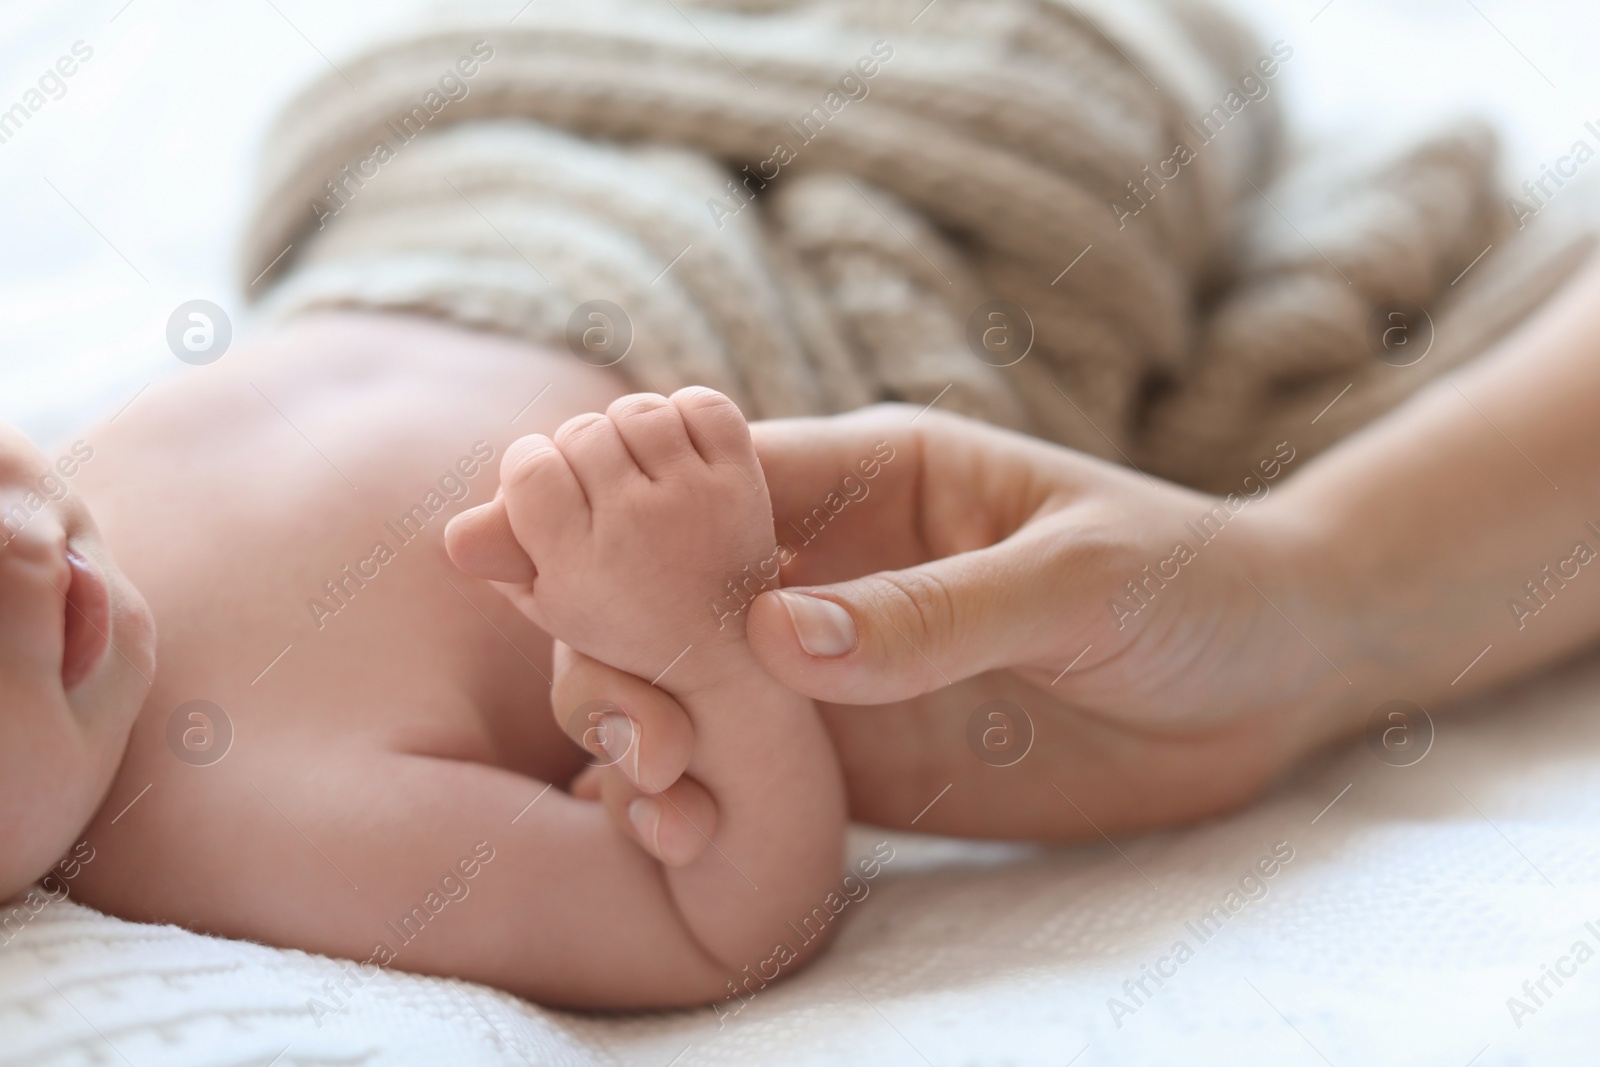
(123, 198)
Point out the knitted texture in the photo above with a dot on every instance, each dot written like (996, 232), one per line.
(1073, 219)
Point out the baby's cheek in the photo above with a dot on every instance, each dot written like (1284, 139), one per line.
(42, 782)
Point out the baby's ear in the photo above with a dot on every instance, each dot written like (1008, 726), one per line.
(480, 541)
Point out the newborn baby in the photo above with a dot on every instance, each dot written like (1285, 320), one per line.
(336, 740)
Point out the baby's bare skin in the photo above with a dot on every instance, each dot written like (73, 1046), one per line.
(425, 729)
(402, 738)
(631, 521)
(398, 740)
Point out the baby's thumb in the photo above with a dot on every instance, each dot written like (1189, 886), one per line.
(481, 542)
(897, 634)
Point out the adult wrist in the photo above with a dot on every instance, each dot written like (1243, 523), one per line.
(1359, 603)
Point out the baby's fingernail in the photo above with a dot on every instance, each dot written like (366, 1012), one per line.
(823, 627)
(645, 814)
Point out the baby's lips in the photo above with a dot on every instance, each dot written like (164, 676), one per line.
(88, 619)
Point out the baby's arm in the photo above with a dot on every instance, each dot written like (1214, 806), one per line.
(442, 866)
(423, 864)
(633, 527)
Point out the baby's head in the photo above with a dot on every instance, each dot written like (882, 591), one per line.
(77, 647)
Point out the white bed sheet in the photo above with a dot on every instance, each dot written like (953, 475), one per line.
(1414, 907)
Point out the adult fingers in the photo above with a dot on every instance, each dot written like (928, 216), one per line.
(894, 635)
(804, 459)
(674, 825)
(621, 720)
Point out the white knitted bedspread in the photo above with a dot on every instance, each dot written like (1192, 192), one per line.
(1413, 908)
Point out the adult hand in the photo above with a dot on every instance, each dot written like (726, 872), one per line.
(933, 566)
(1166, 653)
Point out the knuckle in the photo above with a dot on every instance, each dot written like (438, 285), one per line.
(706, 401)
(699, 395)
(580, 426)
(929, 606)
(523, 460)
(712, 413)
(636, 404)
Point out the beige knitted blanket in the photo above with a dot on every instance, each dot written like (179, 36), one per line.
(1074, 218)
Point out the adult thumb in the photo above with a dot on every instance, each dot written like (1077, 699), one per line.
(897, 634)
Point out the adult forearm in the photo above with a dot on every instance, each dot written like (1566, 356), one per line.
(1467, 523)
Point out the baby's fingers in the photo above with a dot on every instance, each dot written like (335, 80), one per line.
(620, 720)
(480, 541)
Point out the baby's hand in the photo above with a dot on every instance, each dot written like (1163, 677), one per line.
(633, 526)
(643, 752)
(597, 508)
